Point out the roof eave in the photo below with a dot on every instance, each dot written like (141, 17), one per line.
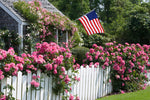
(11, 12)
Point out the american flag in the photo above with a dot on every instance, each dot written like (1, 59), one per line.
(91, 23)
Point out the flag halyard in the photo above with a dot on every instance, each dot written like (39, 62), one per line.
(91, 23)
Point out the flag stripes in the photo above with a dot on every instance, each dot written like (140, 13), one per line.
(91, 26)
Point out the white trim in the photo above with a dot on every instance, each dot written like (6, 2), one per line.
(10, 13)
(67, 36)
(57, 36)
(25, 23)
(20, 32)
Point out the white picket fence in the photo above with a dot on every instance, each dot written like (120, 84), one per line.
(93, 84)
(148, 75)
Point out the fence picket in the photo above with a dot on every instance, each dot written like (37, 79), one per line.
(60, 96)
(80, 85)
(19, 81)
(42, 86)
(83, 86)
(24, 82)
(94, 82)
(3, 84)
(86, 71)
(97, 83)
(33, 91)
(38, 91)
(77, 86)
(89, 83)
(29, 75)
(102, 82)
(57, 97)
(8, 83)
(73, 92)
(50, 89)
(14, 83)
(106, 80)
(99, 80)
(53, 96)
(46, 88)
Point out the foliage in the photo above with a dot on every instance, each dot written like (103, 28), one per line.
(27, 11)
(138, 26)
(99, 39)
(9, 39)
(75, 40)
(79, 53)
(127, 20)
(72, 8)
(128, 71)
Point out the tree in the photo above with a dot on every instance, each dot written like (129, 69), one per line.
(127, 20)
(138, 26)
(72, 8)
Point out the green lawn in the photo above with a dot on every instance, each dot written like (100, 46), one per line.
(139, 95)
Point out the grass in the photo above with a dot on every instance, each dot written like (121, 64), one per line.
(139, 95)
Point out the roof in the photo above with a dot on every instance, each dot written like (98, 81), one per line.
(45, 4)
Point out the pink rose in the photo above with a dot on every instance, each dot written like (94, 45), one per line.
(122, 92)
(71, 97)
(1, 57)
(55, 71)
(34, 77)
(1, 77)
(36, 84)
(77, 98)
(117, 76)
(60, 76)
(63, 69)
(32, 82)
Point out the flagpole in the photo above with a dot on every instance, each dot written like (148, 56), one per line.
(85, 14)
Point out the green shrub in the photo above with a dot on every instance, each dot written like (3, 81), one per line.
(79, 53)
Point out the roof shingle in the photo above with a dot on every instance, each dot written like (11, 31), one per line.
(45, 4)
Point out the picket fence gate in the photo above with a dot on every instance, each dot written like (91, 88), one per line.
(93, 84)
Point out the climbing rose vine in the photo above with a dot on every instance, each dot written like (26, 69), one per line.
(43, 21)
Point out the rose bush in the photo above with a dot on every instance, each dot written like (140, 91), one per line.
(128, 64)
(55, 61)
